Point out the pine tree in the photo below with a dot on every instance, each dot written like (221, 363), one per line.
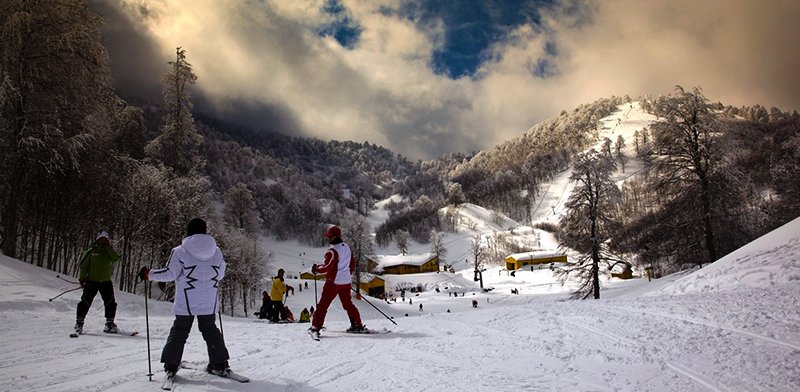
(177, 145)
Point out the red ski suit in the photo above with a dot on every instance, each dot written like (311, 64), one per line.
(335, 269)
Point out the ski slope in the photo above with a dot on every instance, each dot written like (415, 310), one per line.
(629, 118)
(708, 330)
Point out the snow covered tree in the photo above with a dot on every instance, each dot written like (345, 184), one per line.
(590, 219)
(607, 143)
(455, 195)
(239, 210)
(246, 266)
(358, 233)
(54, 99)
(401, 237)
(786, 175)
(686, 154)
(437, 246)
(177, 145)
(619, 146)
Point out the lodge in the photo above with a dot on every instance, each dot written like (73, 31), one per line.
(372, 284)
(519, 260)
(406, 264)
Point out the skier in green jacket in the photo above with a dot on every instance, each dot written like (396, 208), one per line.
(97, 265)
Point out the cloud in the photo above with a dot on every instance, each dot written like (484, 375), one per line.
(266, 63)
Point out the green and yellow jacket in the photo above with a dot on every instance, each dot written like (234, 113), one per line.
(97, 264)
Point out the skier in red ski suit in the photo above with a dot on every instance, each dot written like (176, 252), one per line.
(338, 268)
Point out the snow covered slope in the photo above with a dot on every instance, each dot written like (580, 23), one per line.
(773, 259)
(744, 338)
(628, 119)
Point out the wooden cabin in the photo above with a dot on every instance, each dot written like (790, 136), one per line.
(373, 285)
(407, 264)
(519, 260)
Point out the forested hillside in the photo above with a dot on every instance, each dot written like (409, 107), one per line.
(75, 158)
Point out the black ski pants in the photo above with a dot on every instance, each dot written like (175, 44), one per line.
(173, 350)
(90, 290)
(275, 312)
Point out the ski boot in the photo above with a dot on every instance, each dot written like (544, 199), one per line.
(78, 330)
(356, 329)
(219, 369)
(110, 327)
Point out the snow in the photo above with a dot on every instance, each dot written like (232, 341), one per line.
(536, 254)
(401, 259)
(708, 330)
(731, 326)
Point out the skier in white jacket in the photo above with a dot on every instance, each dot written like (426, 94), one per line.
(197, 267)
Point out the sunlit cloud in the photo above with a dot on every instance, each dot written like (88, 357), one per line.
(367, 71)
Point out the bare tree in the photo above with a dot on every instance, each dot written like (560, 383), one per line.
(437, 246)
(240, 209)
(686, 153)
(590, 219)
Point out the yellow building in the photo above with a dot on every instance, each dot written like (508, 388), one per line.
(309, 276)
(519, 260)
(407, 264)
(373, 285)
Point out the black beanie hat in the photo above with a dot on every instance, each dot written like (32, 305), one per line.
(196, 226)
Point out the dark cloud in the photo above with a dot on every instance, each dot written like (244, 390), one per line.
(137, 64)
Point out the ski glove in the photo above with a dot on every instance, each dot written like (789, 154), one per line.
(144, 274)
(82, 282)
(314, 269)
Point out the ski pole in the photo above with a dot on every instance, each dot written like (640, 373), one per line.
(147, 323)
(221, 330)
(316, 301)
(64, 292)
(67, 280)
(376, 308)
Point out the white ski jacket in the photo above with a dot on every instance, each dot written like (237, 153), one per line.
(197, 267)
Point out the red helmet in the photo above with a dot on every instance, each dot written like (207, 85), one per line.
(333, 232)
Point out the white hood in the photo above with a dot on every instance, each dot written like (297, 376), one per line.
(201, 246)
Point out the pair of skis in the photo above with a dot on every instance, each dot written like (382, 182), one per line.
(315, 334)
(169, 382)
(75, 334)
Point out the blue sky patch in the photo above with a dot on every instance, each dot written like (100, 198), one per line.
(342, 29)
(471, 28)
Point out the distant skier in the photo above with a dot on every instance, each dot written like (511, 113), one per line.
(197, 267)
(276, 296)
(97, 264)
(338, 268)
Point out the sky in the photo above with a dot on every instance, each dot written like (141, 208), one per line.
(426, 78)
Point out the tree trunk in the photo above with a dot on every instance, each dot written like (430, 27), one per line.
(708, 229)
(595, 260)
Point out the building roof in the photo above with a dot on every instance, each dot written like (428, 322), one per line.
(368, 277)
(417, 260)
(535, 254)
